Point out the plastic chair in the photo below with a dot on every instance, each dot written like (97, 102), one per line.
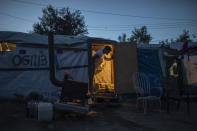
(142, 85)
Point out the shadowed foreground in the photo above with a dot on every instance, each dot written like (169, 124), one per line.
(103, 117)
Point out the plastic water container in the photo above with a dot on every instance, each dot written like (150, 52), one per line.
(45, 111)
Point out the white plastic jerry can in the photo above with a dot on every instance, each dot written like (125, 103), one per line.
(45, 111)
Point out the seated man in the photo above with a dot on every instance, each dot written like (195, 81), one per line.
(73, 90)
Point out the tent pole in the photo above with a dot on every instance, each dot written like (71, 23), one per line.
(90, 74)
(51, 60)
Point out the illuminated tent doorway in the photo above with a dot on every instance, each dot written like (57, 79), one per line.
(103, 79)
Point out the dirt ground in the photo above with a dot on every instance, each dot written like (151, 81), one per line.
(103, 117)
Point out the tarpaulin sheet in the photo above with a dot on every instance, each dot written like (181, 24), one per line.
(37, 78)
(191, 70)
(149, 63)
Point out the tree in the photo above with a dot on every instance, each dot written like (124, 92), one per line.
(184, 37)
(61, 21)
(122, 38)
(140, 36)
(166, 41)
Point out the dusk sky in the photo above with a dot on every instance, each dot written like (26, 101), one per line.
(165, 19)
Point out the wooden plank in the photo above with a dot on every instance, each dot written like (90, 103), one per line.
(125, 62)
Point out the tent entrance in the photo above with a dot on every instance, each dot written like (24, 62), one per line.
(103, 78)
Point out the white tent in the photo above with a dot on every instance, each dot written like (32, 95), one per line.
(24, 62)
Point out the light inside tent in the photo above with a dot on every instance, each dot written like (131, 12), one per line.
(5, 46)
(103, 79)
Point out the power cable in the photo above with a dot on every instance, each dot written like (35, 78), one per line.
(16, 17)
(109, 13)
(100, 28)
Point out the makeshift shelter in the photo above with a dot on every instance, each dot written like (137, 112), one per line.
(24, 65)
(155, 60)
(187, 54)
(180, 80)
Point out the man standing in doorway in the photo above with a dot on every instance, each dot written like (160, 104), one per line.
(97, 59)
